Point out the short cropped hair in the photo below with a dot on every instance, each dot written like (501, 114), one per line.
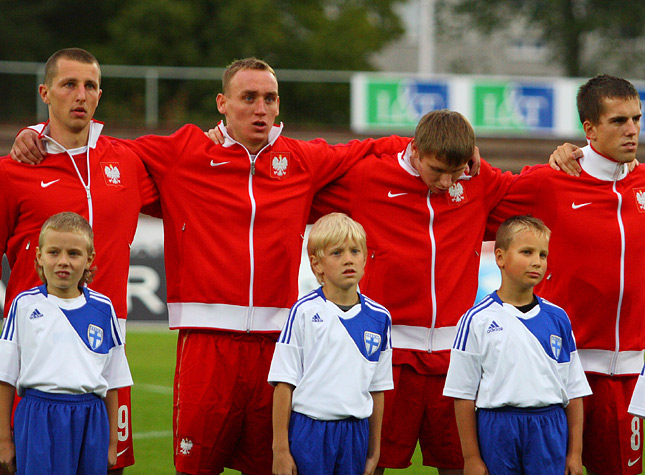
(74, 54)
(68, 221)
(591, 94)
(447, 135)
(515, 225)
(332, 230)
(241, 64)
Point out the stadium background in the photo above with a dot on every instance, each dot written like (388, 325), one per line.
(151, 345)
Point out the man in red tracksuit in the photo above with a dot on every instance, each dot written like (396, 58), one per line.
(234, 216)
(596, 260)
(425, 222)
(87, 173)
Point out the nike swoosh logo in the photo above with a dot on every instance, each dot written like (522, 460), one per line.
(630, 463)
(118, 454)
(45, 185)
(394, 195)
(217, 164)
(575, 206)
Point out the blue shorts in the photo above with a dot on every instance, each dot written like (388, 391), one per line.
(518, 440)
(61, 433)
(328, 447)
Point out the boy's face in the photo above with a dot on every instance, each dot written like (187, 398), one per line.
(63, 257)
(523, 264)
(341, 267)
(435, 173)
(616, 134)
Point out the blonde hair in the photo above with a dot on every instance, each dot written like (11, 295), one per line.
(241, 64)
(515, 225)
(334, 229)
(68, 221)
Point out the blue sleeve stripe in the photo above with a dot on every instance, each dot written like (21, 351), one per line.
(377, 307)
(389, 335)
(116, 329)
(117, 335)
(100, 298)
(8, 329)
(463, 329)
(9, 323)
(285, 336)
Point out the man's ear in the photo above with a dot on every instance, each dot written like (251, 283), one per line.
(414, 150)
(221, 103)
(590, 130)
(43, 90)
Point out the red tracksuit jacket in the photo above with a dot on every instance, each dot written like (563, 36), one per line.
(233, 223)
(119, 188)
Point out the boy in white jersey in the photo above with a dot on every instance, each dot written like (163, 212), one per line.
(332, 363)
(61, 348)
(514, 369)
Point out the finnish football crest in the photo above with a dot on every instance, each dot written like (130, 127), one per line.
(372, 342)
(94, 336)
(112, 174)
(185, 446)
(457, 194)
(639, 194)
(556, 345)
(279, 164)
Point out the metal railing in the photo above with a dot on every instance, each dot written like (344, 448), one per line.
(153, 74)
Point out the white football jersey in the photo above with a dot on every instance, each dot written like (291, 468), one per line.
(334, 358)
(67, 346)
(503, 357)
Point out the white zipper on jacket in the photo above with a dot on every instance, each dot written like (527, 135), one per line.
(250, 311)
(621, 227)
(228, 141)
(433, 292)
(80, 177)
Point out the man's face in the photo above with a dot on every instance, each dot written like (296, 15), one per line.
(250, 105)
(616, 134)
(435, 173)
(72, 96)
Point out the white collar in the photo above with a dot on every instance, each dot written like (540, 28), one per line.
(601, 167)
(54, 147)
(404, 160)
(516, 312)
(275, 132)
(68, 304)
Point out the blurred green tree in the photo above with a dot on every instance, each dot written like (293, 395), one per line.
(295, 34)
(569, 27)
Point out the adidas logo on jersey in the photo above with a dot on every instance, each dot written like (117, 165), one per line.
(316, 319)
(35, 314)
(494, 327)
